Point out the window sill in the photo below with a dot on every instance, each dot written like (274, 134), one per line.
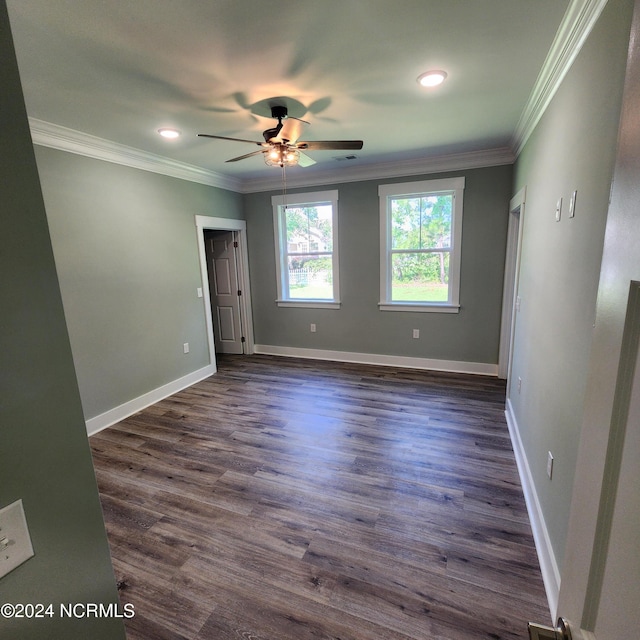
(309, 304)
(420, 307)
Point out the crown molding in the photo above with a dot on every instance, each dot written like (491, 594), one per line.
(47, 134)
(433, 164)
(578, 21)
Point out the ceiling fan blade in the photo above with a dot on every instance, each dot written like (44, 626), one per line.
(290, 131)
(246, 155)
(330, 145)
(208, 135)
(304, 160)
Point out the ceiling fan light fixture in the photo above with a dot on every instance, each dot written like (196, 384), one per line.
(280, 156)
(169, 134)
(432, 78)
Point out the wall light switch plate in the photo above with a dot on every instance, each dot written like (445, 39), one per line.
(199, 291)
(416, 333)
(572, 204)
(558, 210)
(15, 541)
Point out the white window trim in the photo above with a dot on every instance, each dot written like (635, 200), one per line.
(279, 232)
(385, 191)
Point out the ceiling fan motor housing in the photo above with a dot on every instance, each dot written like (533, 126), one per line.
(279, 111)
(271, 133)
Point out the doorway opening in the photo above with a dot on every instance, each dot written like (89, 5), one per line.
(224, 267)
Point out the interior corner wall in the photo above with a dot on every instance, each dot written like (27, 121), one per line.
(44, 453)
(126, 251)
(572, 149)
(470, 336)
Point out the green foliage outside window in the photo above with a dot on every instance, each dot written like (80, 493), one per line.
(311, 225)
(421, 244)
(310, 243)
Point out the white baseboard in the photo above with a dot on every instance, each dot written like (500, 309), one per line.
(546, 557)
(106, 419)
(454, 366)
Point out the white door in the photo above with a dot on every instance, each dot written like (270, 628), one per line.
(221, 252)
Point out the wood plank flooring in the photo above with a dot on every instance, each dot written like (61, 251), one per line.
(290, 499)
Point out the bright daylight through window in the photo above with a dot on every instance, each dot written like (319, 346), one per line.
(421, 231)
(306, 233)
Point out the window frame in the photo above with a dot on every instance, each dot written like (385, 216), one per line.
(386, 193)
(279, 204)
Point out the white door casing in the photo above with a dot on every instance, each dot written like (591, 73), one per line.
(611, 608)
(613, 598)
(240, 227)
(511, 279)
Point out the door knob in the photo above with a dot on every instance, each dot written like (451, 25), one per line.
(541, 632)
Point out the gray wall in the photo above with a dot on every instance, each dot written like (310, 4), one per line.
(599, 445)
(44, 453)
(358, 326)
(573, 147)
(125, 248)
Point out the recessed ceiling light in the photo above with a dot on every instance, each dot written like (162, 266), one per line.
(169, 133)
(432, 78)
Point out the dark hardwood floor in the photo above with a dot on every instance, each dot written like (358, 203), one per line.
(291, 500)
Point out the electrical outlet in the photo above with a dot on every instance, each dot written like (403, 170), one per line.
(416, 333)
(312, 327)
(549, 464)
(15, 541)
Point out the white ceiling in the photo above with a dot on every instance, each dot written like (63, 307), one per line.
(121, 69)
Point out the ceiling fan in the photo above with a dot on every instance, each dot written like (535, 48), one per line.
(282, 147)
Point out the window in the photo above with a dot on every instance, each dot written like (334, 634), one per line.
(306, 234)
(420, 237)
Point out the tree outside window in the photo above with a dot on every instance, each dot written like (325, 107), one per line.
(421, 243)
(421, 233)
(309, 252)
(307, 249)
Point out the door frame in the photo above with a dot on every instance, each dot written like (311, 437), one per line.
(246, 317)
(510, 287)
(580, 593)
(623, 422)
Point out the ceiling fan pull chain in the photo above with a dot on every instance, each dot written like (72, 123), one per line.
(284, 186)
